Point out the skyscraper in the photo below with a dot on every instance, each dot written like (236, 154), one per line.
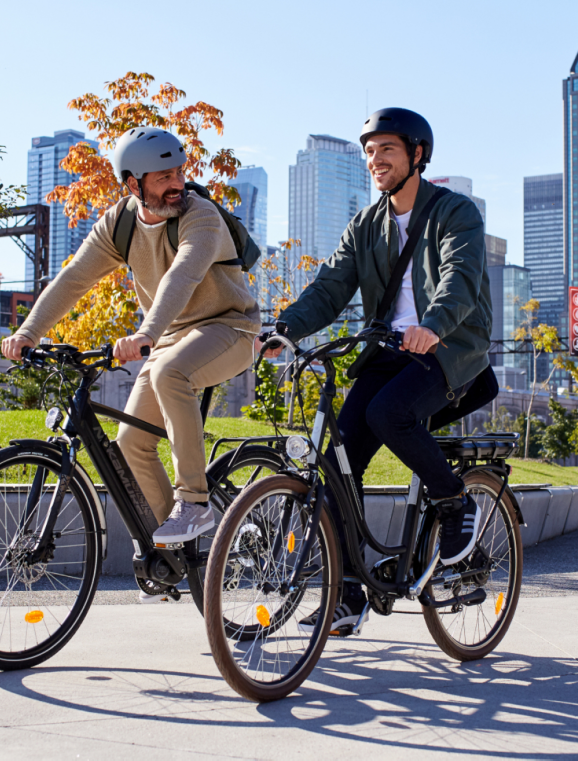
(544, 244)
(44, 173)
(328, 185)
(510, 288)
(251, 183)
(570, 96)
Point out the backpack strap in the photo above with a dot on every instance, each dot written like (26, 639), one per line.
(124, 227)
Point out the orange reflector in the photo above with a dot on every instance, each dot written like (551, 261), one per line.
(499, 603)
(263, 616)
(34, 617)
(160, 545)
(291, 542)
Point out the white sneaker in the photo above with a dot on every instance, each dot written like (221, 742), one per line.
(186, 521)
(147, 599)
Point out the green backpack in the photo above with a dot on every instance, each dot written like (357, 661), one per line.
(248, 252)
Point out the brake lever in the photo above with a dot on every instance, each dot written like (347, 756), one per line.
(122, 369)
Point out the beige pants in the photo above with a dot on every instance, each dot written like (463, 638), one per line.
(165, 394)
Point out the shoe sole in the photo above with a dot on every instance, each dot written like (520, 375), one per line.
(173, 538)
(152, 599)
(347, 621)
(471, 544)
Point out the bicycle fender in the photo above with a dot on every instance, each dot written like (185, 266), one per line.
(52, 451)
(517, 508)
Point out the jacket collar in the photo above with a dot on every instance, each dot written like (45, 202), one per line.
(424, 193)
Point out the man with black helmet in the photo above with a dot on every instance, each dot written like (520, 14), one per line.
(442, 307)
(200, 321)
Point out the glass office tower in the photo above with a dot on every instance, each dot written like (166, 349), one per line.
(570, 95)
(328, 185)
(44, 174)
(544, 243)
(251, 183)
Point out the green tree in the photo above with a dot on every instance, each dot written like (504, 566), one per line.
(542, 338)
(520, 425)
(268, 404)
(501, 420)
(556, 438)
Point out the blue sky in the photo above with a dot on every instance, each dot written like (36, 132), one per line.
(487, 75)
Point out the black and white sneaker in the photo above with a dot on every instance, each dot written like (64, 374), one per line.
(460, 523)
(345, 614)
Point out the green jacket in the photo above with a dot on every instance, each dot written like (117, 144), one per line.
(450, 280)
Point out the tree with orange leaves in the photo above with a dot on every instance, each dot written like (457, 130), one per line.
(97, 187)
(108, 311)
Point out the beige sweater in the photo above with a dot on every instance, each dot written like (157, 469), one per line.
(177, 291)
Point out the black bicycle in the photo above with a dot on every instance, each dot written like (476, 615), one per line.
(275, 558)
(53, 529)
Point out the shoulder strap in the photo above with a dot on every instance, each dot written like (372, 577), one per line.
(406, 254)
(124, 227)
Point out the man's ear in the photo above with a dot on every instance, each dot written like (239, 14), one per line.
(418, 155)
(133, 186)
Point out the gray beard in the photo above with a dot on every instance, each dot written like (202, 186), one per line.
(167, 211)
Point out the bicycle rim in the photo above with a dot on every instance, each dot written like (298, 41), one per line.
(253, 464)
(470, 632)
(246, 569)
(41, 605)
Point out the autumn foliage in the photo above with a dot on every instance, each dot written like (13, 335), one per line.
(108, 311)
(97, 188)
(105, 313)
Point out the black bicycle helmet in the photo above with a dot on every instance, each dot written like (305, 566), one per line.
(405, 123)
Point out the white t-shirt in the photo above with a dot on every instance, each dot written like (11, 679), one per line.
(405, 314)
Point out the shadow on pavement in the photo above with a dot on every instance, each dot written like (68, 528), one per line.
(391, 695)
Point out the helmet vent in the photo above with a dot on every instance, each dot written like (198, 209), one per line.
(384, 119)
(151, 137)
(181, 149)
(166, 155)
(140, 134)
(132, 131)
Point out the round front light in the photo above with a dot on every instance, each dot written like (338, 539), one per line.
(297, 447)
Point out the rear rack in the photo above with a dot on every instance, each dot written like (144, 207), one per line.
(490, 446)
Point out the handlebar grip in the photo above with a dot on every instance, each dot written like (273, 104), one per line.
(25, 351)
(145, 351)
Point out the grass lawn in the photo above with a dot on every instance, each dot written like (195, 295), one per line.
(384, 470)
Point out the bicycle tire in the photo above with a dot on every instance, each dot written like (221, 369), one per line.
(259, 459)
(490, 620)
(281, 666)
(56, 601)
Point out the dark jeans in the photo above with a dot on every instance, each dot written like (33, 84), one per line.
(385, 406)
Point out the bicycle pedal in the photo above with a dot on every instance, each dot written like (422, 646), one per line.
(342, 631)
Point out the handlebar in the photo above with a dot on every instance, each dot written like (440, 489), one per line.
(72, 357)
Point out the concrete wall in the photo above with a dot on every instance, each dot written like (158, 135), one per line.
(547, 511)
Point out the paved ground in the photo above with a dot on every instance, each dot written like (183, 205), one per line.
(138, 682)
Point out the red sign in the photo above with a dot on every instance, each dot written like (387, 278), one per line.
(573, 321)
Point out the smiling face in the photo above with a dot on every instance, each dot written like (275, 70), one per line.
(388, 160)
(164, 192)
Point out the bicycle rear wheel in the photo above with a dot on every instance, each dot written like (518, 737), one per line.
(254, 552)
(470, 632)
(43, 604)
(225, 484)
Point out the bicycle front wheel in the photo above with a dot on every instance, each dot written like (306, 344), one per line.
(252, 464)
(43, 604)
(470, 632)
(253, 555)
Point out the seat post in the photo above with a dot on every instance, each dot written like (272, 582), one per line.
(206, 402)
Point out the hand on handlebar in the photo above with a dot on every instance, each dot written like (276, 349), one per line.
(13, 345)
(419, 340)
(270, 353)
(128, 349)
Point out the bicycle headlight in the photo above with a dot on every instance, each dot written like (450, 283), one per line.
(54, 418)
(297, 447)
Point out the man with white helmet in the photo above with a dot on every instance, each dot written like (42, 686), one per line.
(200, 320)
